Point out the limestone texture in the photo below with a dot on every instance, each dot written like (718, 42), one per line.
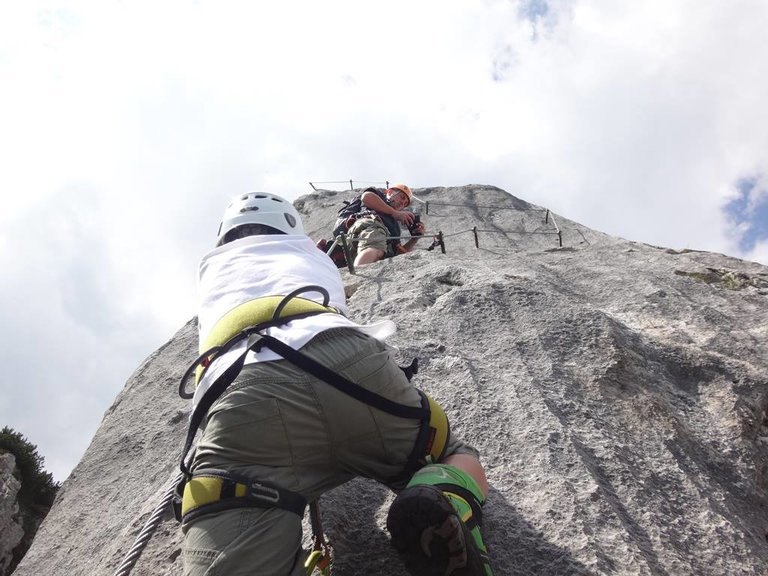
(11, 528)
(617, 392)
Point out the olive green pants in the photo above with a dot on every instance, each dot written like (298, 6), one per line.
(281, 425)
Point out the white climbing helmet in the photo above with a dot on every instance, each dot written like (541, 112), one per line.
(260, 208)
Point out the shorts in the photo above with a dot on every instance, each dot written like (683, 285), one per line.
(371, 233)
(281, 425)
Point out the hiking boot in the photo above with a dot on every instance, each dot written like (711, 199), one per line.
(435, 524)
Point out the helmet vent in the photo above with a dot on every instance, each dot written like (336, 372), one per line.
(249, 209)
(290, 219)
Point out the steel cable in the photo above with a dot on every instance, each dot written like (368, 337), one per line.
(146, 533)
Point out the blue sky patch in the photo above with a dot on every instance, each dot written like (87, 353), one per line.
(749, 212)
(534, 9)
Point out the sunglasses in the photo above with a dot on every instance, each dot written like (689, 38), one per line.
(401, 195)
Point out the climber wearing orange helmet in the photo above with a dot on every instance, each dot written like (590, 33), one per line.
(385, 212)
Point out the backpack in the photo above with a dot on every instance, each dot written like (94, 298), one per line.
(348, 213)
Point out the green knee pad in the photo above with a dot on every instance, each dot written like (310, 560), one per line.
(445, 477)
(462, 492)
(438, 501)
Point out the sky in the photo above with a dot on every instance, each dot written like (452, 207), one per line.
(125, 128)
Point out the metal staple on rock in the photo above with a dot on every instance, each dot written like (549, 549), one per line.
(146, 533)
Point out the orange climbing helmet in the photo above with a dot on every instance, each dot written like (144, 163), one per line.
(404, 189)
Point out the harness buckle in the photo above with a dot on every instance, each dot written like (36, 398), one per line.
(261, 492)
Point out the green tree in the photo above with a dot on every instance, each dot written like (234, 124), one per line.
(37, 485)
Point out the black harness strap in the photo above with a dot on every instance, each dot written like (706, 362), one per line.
(422, 413)
(469, 498)
(211, 395)
(343, 384)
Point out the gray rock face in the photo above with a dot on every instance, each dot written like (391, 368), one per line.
(616, 390)
(11, 529)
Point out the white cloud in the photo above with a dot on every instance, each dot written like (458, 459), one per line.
(759, 253)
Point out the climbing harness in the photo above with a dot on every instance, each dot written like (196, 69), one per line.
(250, 318)
(211, 490)
(242, 323)
(205, 491)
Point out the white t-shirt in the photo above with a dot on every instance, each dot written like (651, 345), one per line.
(271, 265)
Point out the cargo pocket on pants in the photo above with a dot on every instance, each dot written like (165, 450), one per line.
(248, 432)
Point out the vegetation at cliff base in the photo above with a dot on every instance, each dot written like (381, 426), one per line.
(37, 485)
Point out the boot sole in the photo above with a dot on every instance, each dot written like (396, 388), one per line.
(430, 537)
